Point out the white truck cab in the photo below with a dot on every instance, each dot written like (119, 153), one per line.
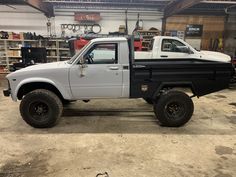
(103, 75)
(164, 47)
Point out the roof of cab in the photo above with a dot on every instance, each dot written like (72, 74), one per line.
(168, 37)
(109, 39)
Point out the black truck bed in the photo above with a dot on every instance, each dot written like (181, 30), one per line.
(149, 76)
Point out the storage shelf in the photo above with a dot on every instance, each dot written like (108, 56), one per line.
(65, 57)
(64, 49)
(51, 56)
(13, 56)
(51, 48)
(151, 31)
(14, 45)
(55, 40)
(147, 37)
(12, 48)
(19, 40)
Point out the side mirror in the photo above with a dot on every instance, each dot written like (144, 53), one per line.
(91, 55)
(190, 51)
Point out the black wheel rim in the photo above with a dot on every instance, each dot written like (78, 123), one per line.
(174, 110)
(39, 110)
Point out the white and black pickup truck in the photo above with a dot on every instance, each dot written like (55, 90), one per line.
(106, 68)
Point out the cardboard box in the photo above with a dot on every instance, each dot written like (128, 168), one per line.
(16, 53)
(10, 53)
(16, 36)
(10, 34)
(122, 29)
(21, 35)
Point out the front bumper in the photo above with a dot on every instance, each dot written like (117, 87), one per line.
(6, 92)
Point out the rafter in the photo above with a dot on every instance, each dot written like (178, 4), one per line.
(46, 8)
(178, 6)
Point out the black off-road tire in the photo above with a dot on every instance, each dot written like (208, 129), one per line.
(41, 108)
(148, 100)
(174, 108)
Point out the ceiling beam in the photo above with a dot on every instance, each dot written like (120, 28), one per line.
(46, 8)
(178, 6)
(110, 4)
(219, 2)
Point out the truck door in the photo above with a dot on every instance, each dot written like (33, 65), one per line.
(100, 76)
(171, 48)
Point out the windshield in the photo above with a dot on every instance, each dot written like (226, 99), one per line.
(77, 54)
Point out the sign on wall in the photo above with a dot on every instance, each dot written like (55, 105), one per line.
(87, 17)
(194, 30)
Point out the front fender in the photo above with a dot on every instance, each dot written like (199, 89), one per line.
(65, 91)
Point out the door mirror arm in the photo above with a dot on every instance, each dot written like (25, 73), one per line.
(81, 60)
(82, 65)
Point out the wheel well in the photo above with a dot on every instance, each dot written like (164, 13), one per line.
(26, 88)
(180, 87)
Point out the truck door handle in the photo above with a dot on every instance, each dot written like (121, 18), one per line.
(114, 68)
(164, 56)
(139, 66)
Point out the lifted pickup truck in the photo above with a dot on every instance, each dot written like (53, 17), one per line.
(105, 68)
(167, 47)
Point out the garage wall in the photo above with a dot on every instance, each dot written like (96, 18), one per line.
(213, 26)
(28, 19)
(112, 20)
(22, 19)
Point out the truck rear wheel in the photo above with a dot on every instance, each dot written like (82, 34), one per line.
(41, 108)
(174, 108)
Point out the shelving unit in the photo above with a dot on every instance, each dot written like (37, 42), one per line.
(147, 37)
(4, 62)
(56, 49)
(10, 50)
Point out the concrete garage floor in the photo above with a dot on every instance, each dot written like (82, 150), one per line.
(122, 138)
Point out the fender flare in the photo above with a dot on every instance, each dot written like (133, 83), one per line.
(175, 84)
(60, 88)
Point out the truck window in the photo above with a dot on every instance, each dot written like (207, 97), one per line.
(171, 45)
(102, 54)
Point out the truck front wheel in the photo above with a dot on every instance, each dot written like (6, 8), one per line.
(41, 108)
(174, 108)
